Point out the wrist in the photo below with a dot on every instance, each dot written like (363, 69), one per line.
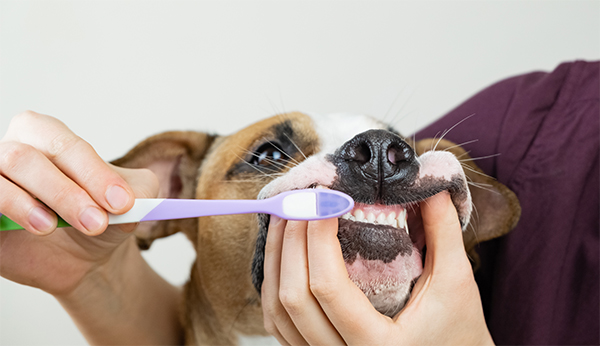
(104, 279)
(124, 301)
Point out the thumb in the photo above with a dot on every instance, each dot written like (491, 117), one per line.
(443, 234)
(445, 260)
(143, 182)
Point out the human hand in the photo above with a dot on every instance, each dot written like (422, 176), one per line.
(41, 157)
(308, 298)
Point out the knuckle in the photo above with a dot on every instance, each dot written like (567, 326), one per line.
(291, 301)
(25, 117)
(25, 120)
(71, 195)
(62, 143)
(13, 154)
(323, 291)
(273, 310)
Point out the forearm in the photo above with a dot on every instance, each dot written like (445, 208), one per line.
(125, 302)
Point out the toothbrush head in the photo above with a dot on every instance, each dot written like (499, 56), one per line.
(315, 204)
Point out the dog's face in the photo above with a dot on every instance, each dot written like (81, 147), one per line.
(382, 238)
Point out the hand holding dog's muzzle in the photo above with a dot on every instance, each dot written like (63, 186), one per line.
(308, 298)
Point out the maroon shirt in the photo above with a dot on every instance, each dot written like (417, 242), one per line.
(540, 283)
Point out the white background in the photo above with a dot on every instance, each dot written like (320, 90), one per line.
(118, 71)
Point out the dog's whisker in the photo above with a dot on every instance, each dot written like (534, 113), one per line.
(479, 186)
(258, 169)
(296, 146)
(284, 153)
(406, 115)
(272, 104)
(471, 227)
(432, 147)
(480, 158)
(260, 179)
(452, 128)
(461, 144)
(281, 164)
(465, 166)
(402, 107)
(398, 117)
(281, 100)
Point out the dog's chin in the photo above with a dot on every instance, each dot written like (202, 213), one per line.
(382, 248)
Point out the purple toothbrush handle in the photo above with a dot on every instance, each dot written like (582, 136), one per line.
(187, 208)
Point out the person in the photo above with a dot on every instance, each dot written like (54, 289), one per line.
(539, 284)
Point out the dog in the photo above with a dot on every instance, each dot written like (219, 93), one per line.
(382, 239)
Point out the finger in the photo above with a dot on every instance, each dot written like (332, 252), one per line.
(294, 291)
(23, 209)
(446, 264)
(277, 321)
(271, 328)
(443, 234)
(33, 172)
(344, 303)
(75, 157)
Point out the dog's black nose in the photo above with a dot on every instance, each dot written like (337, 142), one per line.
(373, 160)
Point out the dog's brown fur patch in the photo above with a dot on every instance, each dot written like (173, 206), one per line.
(220, 301)
(497, 209)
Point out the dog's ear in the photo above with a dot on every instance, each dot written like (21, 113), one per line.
(175, 158)
(497, 209)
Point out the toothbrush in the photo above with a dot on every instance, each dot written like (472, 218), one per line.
(307, 204)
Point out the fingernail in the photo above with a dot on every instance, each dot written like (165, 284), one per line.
(41, 220)
(92, 219)
(117, 197)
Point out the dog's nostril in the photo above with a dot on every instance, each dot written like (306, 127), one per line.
(397, 154)
(392, 156)
(361, 153)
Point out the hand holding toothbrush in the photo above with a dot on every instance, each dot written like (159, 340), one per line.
(92, 267)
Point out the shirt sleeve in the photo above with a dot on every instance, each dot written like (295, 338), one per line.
(539, 135)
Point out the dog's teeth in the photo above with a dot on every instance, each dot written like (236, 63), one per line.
(406, 227)
(401, 220)
(391, 219)
(381, 219)
(371, 218)
(359, 215)
(401, 223)
(347, 216)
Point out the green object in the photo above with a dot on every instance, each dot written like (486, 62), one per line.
(7, 224)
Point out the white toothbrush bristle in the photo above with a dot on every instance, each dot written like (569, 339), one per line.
(300, 205)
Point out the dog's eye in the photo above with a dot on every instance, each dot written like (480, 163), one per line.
(267, 154)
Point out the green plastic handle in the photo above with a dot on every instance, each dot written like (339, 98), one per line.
(7, 224)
